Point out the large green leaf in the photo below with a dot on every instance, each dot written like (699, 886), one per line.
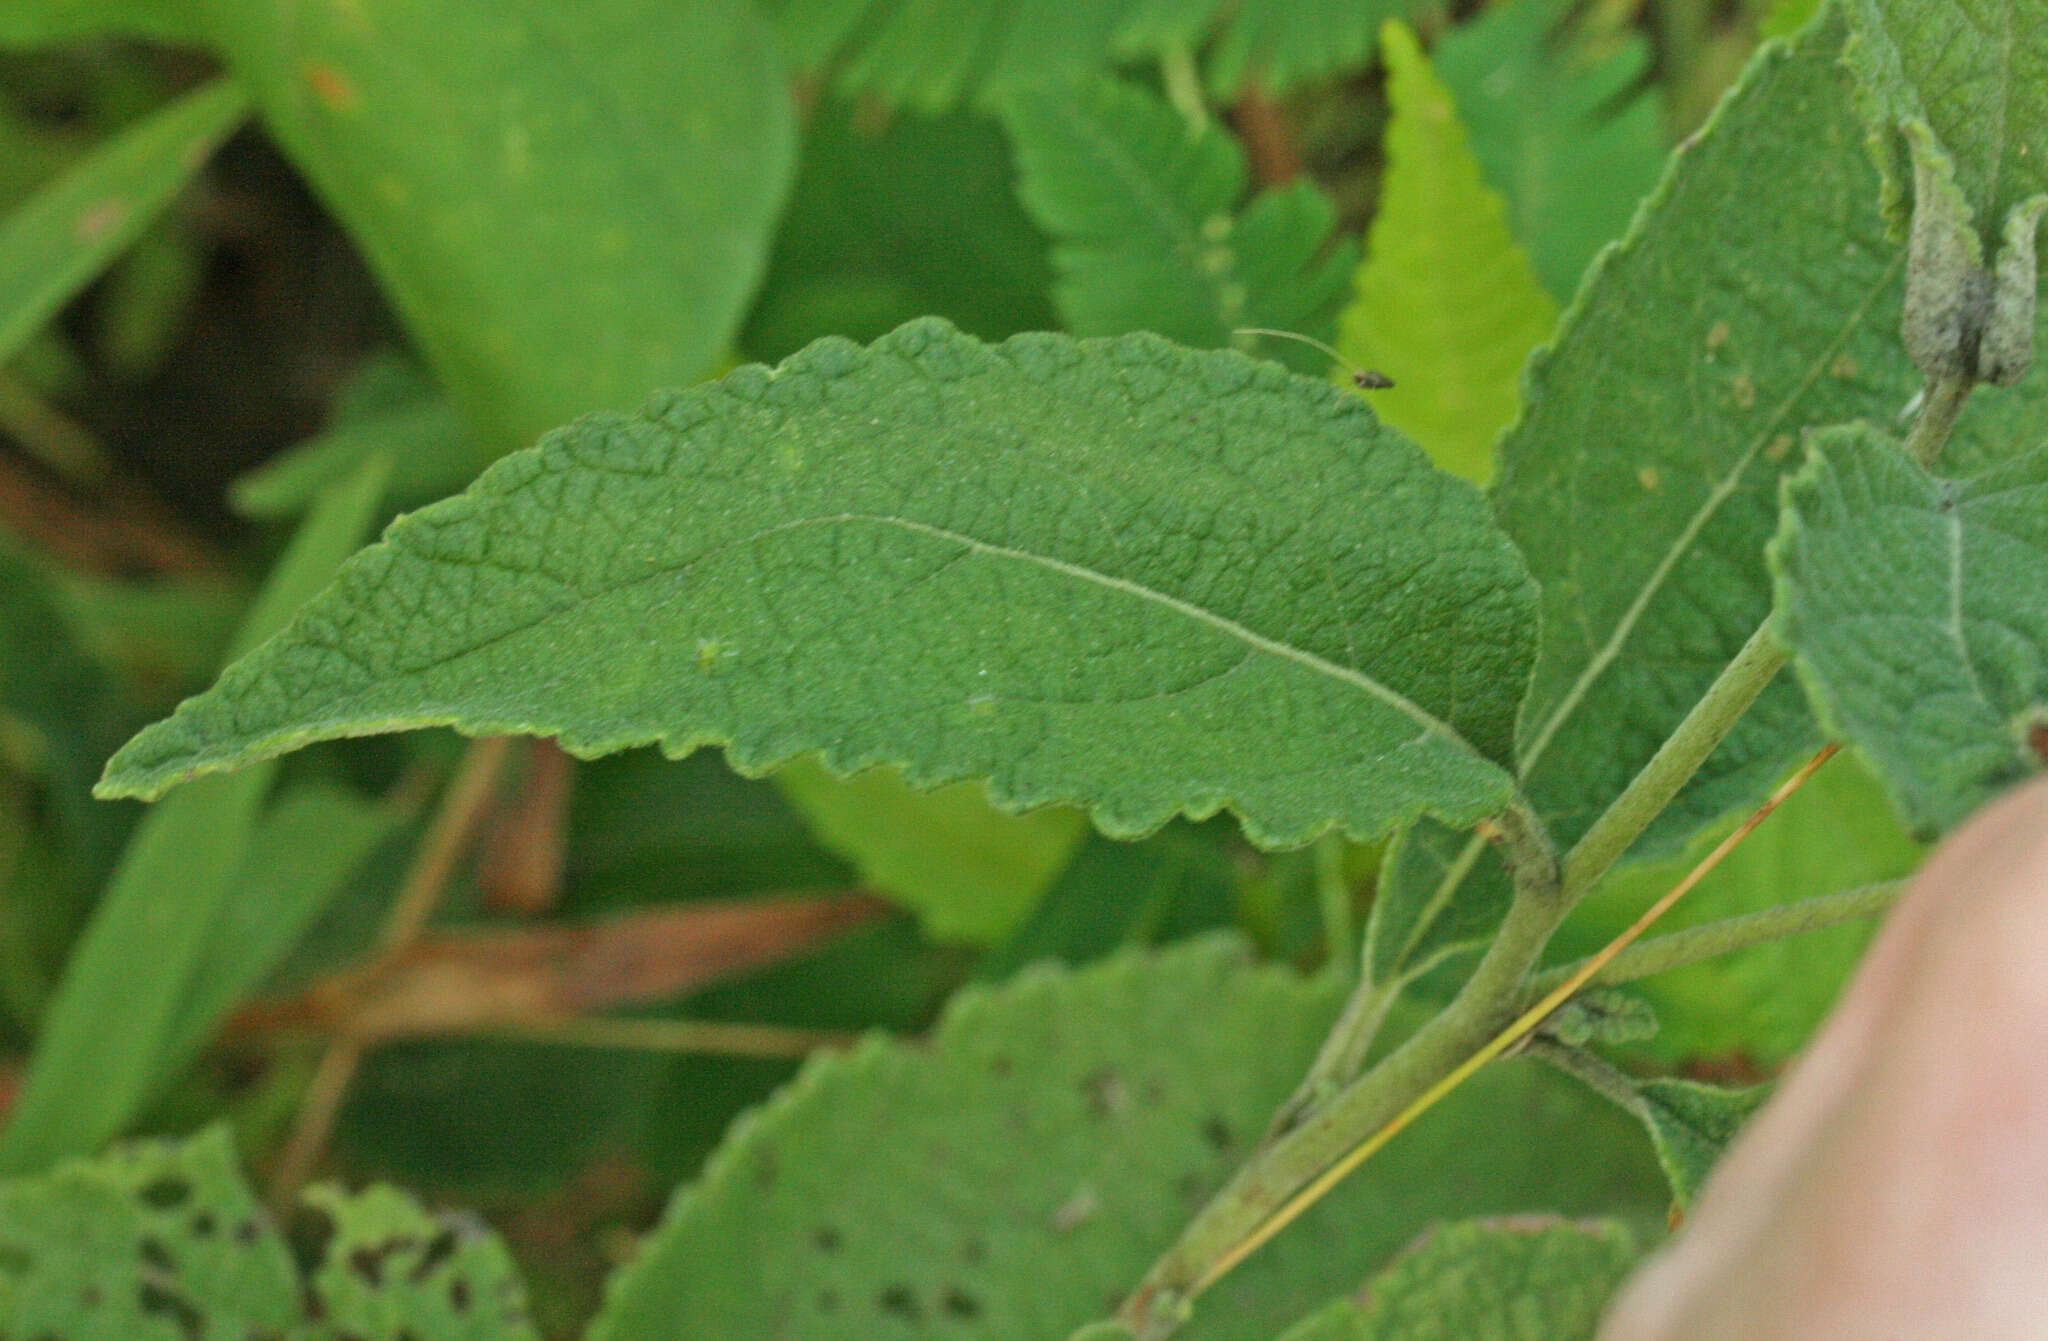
(1976, 72)
(128, 990)
(57, 242)
(35, 23)
(1564, 123)
(932, 53)
(162, 1241)
(1524, 1279)
(1113, 573)
(1446, 303)
(1143, 209)
(1012, 1175)
(1691, 1124)
(589, 231)
(1919, 614)
(1642, 480)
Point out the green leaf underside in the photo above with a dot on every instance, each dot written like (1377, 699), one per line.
(1446, 303)
(1642, 480)
(162, 1241)
(1143, 209)
(933, 53)
(1918, 611)
(1113, 573)
(1560, 123)
(1015, 1173)
(530, 239)
(1690, 1125)
(1523, 1279)
(58, 241)
(1976, 71)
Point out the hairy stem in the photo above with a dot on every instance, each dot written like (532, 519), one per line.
(1695, 944)
(1595, 1072)
(1333, 898)
(1941, 404)
(1675, 762)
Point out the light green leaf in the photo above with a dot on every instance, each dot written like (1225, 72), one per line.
(1690, 1125)
(588, 232)
(1917, 609)
(37, 23)
(1976, 73)
(155, 1242)
(1641, 482)
(1446, 303)
(98, 1057)
(59, 240)
(969, 871)
(392, 1271)
(1564, 123)
(389, 408)
(1012, 1175)
(1143, 209)
(1761, 1004)
(1111, 573)
(1525, 1279)
(934, 53)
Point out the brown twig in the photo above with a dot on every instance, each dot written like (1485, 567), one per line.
(523, 857)
(1269, 141)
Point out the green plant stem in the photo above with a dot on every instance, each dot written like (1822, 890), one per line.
(1333, 898)
(1183, 85)
(1663, 953)
(1675, 762)
(1590, 1069)
(1942, 403)
(1238, 1219)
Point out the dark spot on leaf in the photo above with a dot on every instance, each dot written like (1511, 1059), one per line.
(156, 1256)
(974, 1251)
(1217, 1133)
(828, 1301)
(765, 1171)
(901, 1301)
(827, 1238)
(458, 1295)
(90, 1297)
(157, 1301)
(439, 1249)
(246, 1233)
(999, 1065)
(15, 1261)
(960, 1304)
(203, 1225)
(1107, 1093)
(165, 1193)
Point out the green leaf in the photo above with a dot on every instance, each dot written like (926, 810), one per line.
(970, 872)
(1446, 303)
(1690, 1125)
(1109, 573)
(389, 408)
(1564, 123)
(39, 23)
(1525, 1279)
(1013, 1174)
(162, 1241)
(1917, 610)
(1756, 1006)
(55, 244)
(1641, 482)
(392, 1271)
(1976, 73)
(158, 1241)
(1143, 209)
(590, 231)
(1440, 892)
(99, 1055)
(934, 53)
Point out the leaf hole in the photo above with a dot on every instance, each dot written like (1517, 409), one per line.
(439, 1249)
(156, 1301)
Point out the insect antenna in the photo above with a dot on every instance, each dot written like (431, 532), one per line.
(1365, 379)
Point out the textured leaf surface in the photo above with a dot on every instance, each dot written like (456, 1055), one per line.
(58, 241)
(1114, 573)
(1143, 210)
(970, 871)
(1976, 71)
(1691, 1124)
(1562, 124)
(1446, 302)
(932, 53)
(1758, 1005)
(162, 1241)
(1642, 480)
(1014, 1174)
(1487, 1280)
(1919, 614)
(100, 1051)
(534, 239)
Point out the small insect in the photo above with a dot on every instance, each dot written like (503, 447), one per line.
(1365, 379)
